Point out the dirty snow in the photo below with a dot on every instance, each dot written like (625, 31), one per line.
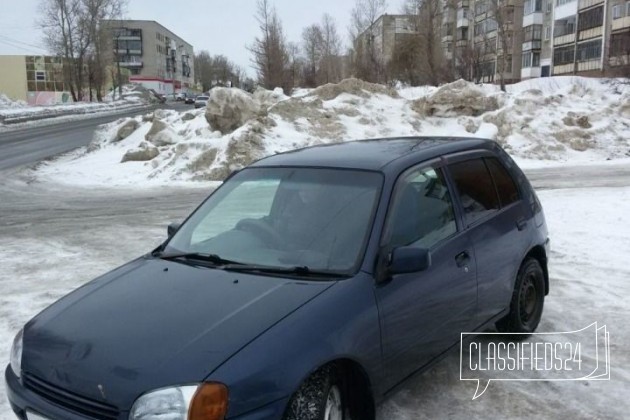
(542, 122)
(7, 103)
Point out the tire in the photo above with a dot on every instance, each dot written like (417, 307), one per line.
(527, 302)
(320, 397)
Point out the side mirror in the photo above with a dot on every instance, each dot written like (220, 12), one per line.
(408, 259)
(172, 228)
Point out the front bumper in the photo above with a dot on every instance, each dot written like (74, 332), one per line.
(273, 411)
(22, 399)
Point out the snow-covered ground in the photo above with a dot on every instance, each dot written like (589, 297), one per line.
(56, 237)
(541, 122)
(11, 111)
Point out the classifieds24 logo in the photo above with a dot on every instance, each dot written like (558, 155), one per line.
(582, 355)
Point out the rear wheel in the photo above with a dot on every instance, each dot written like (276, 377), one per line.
(320, 397)
(528, 299)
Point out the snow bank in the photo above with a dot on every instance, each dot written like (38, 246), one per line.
(543, 121)
(6, 103)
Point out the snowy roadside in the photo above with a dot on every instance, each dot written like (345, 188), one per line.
(70, 235)
(20, 116)
(19, 113)
(542, 123)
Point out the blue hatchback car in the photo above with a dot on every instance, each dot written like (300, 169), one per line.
(308, 286)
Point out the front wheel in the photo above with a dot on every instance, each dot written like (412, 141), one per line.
(320, 397)
(528, 299)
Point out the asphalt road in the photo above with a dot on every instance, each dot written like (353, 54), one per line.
(31, 144)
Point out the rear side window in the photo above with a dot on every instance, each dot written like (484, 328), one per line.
(508, 193)
(476, 190)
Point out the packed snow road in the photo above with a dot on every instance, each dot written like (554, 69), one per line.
(54, 238)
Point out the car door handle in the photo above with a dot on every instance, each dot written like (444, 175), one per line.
(521, 224)
(462, 259)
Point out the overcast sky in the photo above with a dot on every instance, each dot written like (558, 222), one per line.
(219, 26)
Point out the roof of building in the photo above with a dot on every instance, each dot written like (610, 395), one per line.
(374, 154)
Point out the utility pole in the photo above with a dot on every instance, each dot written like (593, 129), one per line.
(118, 71)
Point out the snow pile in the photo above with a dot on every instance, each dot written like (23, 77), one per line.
(547, 120)
(6, 103)
(132, 93)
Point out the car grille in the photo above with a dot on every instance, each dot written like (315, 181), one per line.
(70, 401)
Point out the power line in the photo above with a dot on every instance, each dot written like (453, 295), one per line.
(20, 47)
(17, 41)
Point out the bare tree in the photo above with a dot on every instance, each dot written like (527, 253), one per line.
(216, 70)
(270, 55)
(418, 56)
(330, 71)
(503, 14)
(311, 46)
(367, 63)
(72, 30)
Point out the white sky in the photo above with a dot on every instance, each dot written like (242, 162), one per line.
(219, 26)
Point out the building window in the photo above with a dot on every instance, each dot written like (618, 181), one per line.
(564, 27)
(591, 50)
(549, 6)
(564, 55)
(561, 2)
(480, 8)
(591, 18)
(547, 33)
(533, 33)
(620, 44)
(532, 6)
(628, 8)
(617, 11)
(40, 76)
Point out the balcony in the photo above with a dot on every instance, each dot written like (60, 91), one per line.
(462, 18)
(584, 4)
(591, 33)
(533, 19)
(564, 39)
(461, 4)
(127, 52)
(132, 64)
(621, 23)
(532, 45)
(530, 72)
(563, 69)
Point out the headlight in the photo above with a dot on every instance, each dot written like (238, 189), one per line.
(16, 354)
(206, 401)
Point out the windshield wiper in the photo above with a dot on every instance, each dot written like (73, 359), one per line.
(300, 271)
(196, 256)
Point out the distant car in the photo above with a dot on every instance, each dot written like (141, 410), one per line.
(201, 101)
(190, 100)
(307, 287)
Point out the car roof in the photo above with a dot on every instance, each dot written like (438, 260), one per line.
(375, 154)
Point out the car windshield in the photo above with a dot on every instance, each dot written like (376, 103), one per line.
(285, 217)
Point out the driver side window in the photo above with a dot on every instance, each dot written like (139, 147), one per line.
(230, 210)
(422, 210)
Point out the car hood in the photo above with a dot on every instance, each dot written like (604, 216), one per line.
(153, 324)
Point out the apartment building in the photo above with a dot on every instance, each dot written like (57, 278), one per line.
(157, 58)
(480, 36)
(541, 38)
(383, 35)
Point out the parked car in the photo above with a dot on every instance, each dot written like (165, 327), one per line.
(309, 285)
(190, 100)
(180, 97)
(201, 101)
